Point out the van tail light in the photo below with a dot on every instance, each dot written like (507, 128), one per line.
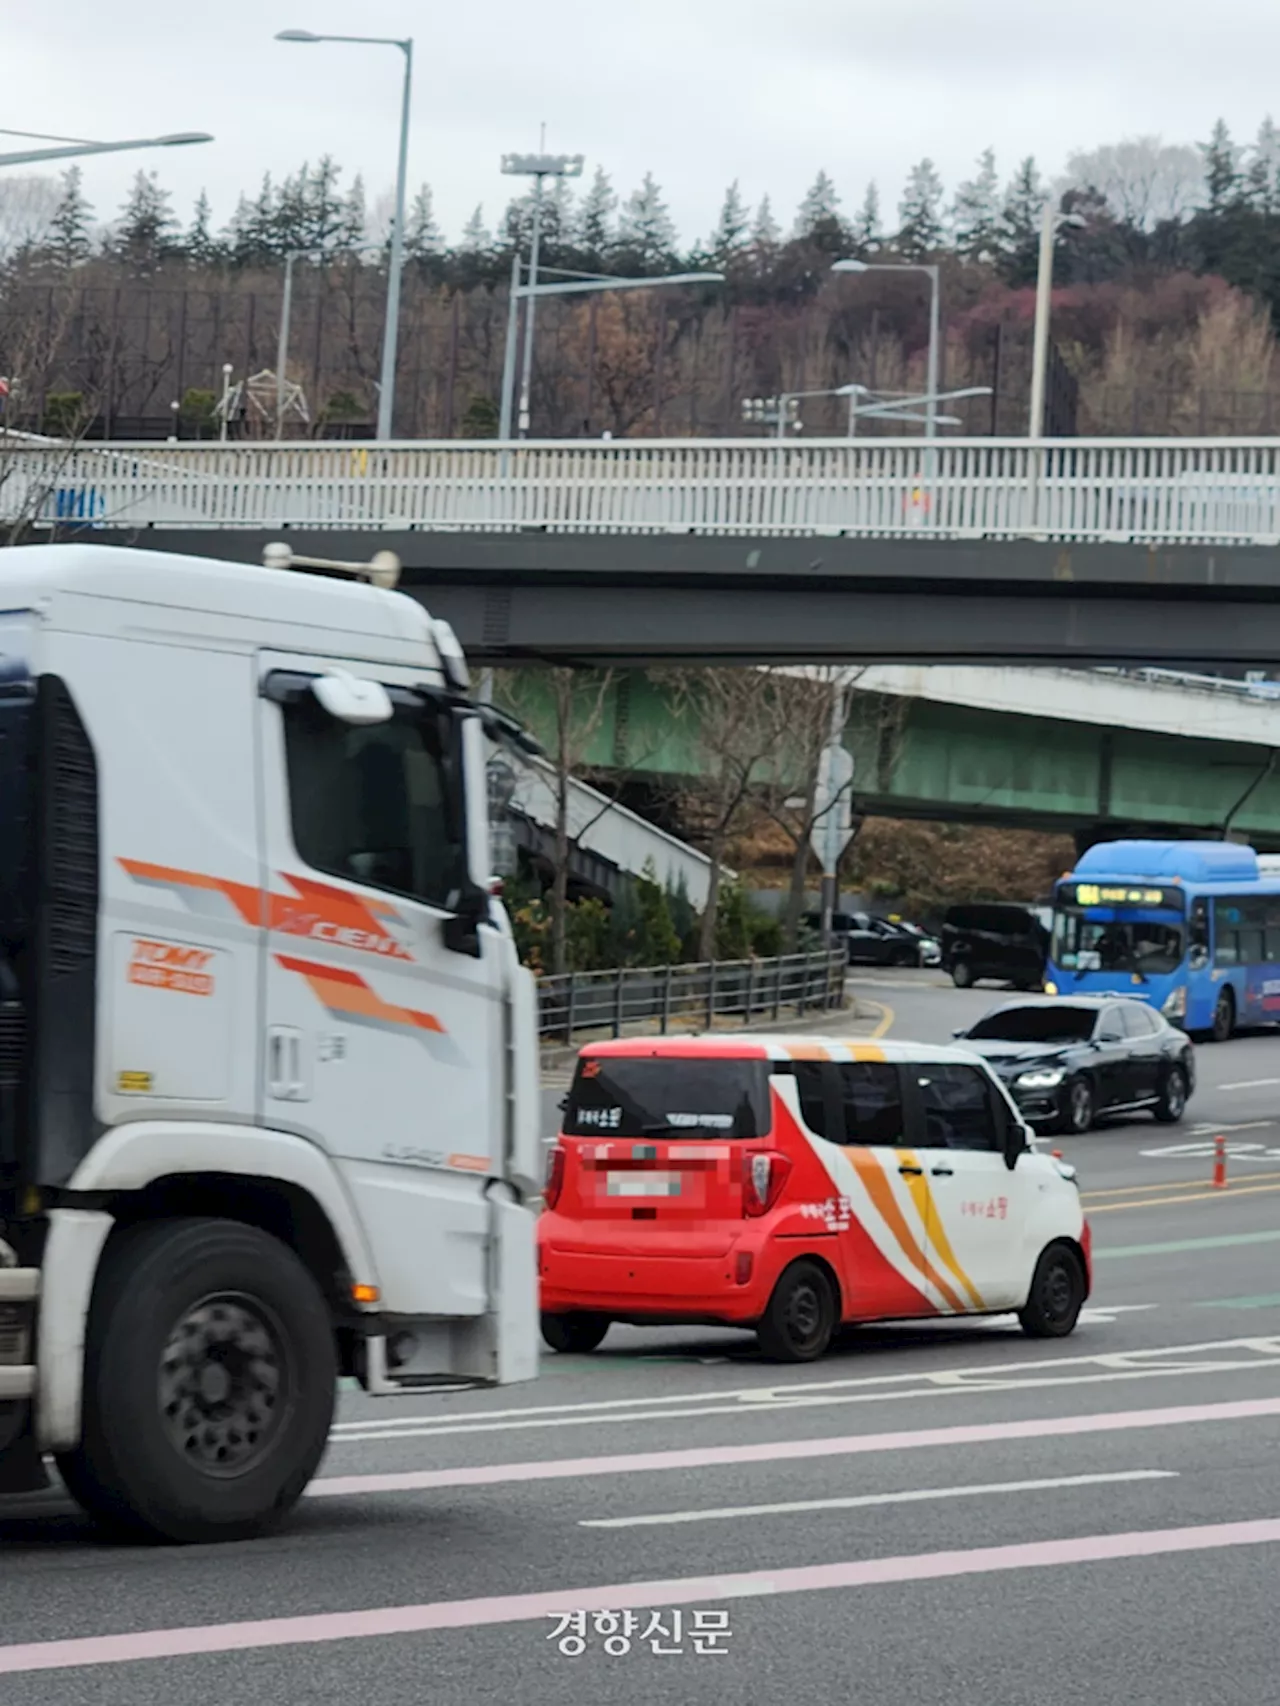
(766, 1174)
(555, 1176)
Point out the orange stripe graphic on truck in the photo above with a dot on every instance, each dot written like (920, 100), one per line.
(347, 995)
(318, 911)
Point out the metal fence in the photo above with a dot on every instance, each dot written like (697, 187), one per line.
(1223, 491)
(697, 995)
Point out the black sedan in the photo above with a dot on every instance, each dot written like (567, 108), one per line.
(872, 941)
(1069, 1062)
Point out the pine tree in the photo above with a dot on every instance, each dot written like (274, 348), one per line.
(595, 230)
(68, 239)
(145, 231)
(646, 232)
(476, 236)
(422, 235)
(975, 213)
(1221, 169)
(920, 212)
(730, 236)
(766, 233)
(1263, 177)
(324, 208)
(353, 230)
(820, 208)
(866, 227)
(1020, 217)
(283, 217)
(252, 234)
(559, 218)
(201, 245)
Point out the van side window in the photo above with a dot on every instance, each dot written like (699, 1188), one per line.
(369, 803)
(811, 1087)
(956, 1102)
(872, 1099)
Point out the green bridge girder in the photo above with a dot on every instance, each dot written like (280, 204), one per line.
(919, 758)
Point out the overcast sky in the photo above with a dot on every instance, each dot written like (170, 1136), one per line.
(697, 91)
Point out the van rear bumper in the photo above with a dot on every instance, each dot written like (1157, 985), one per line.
(695, 1288)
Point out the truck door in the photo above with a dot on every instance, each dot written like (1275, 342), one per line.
(382, 1045)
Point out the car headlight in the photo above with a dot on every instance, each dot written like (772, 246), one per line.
(1047, 1078)
(1175, 1004)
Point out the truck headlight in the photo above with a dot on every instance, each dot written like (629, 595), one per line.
(1047, 1078)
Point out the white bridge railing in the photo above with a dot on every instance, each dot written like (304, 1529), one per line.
(1178, 491)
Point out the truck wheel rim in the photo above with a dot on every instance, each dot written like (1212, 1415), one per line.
(224, 1384)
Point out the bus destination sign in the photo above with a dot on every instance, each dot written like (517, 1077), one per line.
(1121, 894)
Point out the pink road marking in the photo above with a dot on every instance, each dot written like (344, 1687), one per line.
(529, 1607)
(848, 1445)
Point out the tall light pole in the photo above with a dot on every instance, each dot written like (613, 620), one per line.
(1049, 224)
(530, 292)
(73, 149)
(935, 321)
(391, 329)
(537, 167)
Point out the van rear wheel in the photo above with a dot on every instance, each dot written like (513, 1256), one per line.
(576, 1331)
(801, 1318)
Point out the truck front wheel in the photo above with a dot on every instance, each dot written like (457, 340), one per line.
(210, 1375)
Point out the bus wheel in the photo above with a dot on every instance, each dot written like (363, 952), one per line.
(210, 1377)
(1224, 1016)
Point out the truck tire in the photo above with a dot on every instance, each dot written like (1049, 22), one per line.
(210, 1379)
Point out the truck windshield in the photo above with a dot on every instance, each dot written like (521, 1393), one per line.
(664, 1097)
(1122, 943)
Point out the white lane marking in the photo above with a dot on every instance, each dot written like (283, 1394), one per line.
(1205, 1148)
(1248, 1084)
(1110, 1366)
(793, 1450)
(381, 1622)
(1097, 1317)
(862, 1501)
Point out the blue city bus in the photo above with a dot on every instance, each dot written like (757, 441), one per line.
(1193, 927)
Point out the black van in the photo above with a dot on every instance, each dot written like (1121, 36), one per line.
(995, 940)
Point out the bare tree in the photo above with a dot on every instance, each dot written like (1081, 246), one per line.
(731, 719)
(1144, 178)
(34, 465)
(27, 207)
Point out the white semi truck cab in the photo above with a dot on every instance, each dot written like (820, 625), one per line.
(268, 1058)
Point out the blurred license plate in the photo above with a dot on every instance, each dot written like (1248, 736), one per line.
(642, 1184)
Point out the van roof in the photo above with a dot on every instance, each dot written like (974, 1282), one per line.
(746, 1047)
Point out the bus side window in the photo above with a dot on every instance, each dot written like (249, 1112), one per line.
(1199, 944)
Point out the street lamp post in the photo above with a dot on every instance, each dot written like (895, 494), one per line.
(1049, 225)
(538, 167)
(73, 149)
(935, 319)
(391, 329)
(529, 292)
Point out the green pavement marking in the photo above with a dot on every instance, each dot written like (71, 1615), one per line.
(1269, 1301)
(1173, 1249)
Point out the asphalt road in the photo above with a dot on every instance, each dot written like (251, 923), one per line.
(950, 1514)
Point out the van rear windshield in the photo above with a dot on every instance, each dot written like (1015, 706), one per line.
(662, 1097)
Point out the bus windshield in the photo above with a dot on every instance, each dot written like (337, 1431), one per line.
(1146, 946)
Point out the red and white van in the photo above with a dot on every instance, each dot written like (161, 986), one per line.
(790, 1185)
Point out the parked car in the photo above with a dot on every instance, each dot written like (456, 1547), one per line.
(1069, 1061)
(929, 949)
(789, 1185)
(872, 941)
(995, 940)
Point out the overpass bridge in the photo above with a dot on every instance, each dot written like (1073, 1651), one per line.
(1071, 551)
(1090, 752)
